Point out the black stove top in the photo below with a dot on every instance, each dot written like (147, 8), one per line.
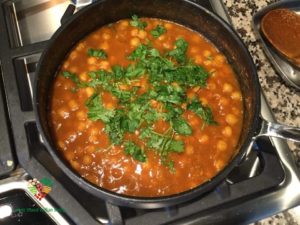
(260, 186)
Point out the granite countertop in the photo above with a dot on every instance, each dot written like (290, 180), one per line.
(283, 100)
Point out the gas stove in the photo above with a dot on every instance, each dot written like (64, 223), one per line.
(263, 184)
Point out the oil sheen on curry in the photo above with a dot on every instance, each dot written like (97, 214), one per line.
(146, 107)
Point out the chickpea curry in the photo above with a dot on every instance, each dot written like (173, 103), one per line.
(146, 107)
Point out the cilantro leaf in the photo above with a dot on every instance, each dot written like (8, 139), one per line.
(171, 94)
(135, 151)
(134, 71)
(73, 77)
(114, 128)
(181, 126)
(96, 111)
(136, 22)
(179, 53)
(203, 111)
(176, 146)
(157, 31)
(98, 53)
(139, 53)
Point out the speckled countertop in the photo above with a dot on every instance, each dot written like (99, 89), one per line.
(283, 100)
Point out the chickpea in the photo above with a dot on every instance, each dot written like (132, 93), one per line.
(87, 160)
(109, 105)
(219, 59)
(75, 165)
(89, 91)
(154, 103)
(221, 145)
(104, 65)
(142, 34)
(93, 131)
(198, 59)
(73, 55)
(106, 36)
(203, 100)
(104, 46)
(189, 149)
(83, 77)
(184, 106)
(81, 115)
(168, 26)
(236, 96)
(195, 89)
(63, 112)
(231, 119)
(61, 144)
(135, 42)
(124, 23)
(227, 131)
(219, 164)
(207, 62)
(90, 149)
(66, 65)
(91, 60)
(93, 139)
(213, 72)
(177, 137)
(167, 45)
(73, 105)
(134, 32)
(203, 139)
(80, 46)
(69, 155)
(227, 88)
(206, 53)
(161, 37)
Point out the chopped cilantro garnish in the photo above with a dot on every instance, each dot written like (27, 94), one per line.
(158, 30)
(71, 76)
(169, 76)
(114, 127)
(135, 151)
(179, 53)
(203, 111)
(98, 53)
(97, 111)
(136, 22)
(181, 126)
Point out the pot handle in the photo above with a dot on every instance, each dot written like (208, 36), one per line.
(68, 13)
(280, 131)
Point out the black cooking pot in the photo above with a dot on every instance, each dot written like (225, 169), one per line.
(180, 11)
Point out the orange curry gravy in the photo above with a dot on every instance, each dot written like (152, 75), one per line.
(87, 147)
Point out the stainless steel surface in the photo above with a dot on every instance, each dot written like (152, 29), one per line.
(289, 72)
(19, 181)
(280, 131)
(36, 20)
